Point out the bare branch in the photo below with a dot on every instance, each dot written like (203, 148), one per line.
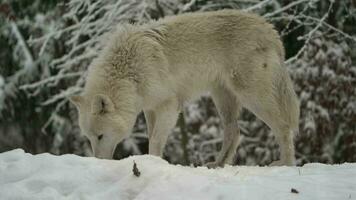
(293, 4)
(257, 6)
(309, 35)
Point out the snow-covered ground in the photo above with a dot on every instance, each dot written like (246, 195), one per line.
(44, 176)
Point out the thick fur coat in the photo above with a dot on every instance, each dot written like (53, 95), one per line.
(157, 67)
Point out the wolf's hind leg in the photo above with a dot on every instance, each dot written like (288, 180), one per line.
(281, 116)
(284, 137)
(267, 90)
(229, 109)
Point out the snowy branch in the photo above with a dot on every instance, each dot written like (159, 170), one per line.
(257, 6)
(309, 35)
(29, 63)
(289, 6)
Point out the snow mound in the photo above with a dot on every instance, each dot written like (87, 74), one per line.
(45, 176)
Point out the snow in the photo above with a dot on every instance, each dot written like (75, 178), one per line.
(45, 176)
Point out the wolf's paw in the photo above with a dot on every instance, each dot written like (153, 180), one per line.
(283, 163)
(277, 163)
(213, 165)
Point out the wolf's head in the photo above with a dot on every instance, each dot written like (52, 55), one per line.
(101, 123)
(115, 85)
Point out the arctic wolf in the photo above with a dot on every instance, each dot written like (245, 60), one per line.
(156, 67)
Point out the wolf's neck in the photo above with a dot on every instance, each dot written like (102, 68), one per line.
(121, 91)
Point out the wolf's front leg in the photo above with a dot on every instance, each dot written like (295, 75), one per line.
(160, 122)
(229, 146)
(150, 121)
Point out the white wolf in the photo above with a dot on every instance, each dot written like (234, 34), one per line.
(156, 67)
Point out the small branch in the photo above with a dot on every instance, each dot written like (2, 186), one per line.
(309, 35)
(50, 79)
(135, 170)
(28, 68)
(187, 6)
(53, 115)
(295, 3)
(28, 56)
(257, 6)
(64, 94)
(331, 27)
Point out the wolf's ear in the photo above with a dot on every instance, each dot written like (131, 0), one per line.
(76, 100)
(102, 104)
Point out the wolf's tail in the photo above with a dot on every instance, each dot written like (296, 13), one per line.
(288, 99)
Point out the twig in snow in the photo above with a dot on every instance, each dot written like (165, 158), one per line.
(294, 191)
(135, 170)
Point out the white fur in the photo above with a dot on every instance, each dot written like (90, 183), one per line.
(156, 67)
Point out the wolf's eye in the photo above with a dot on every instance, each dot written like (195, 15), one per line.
(100, 136)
